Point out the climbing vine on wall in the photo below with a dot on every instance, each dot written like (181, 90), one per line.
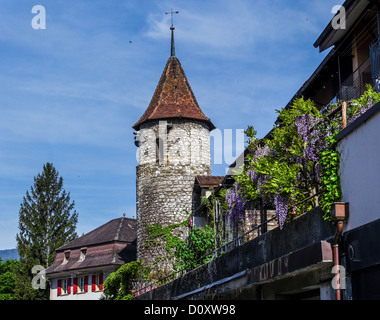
(118, 285)
(185, 246)
(330, 181)
(297, 167)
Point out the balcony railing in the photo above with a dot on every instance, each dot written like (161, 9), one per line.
(355, 85)
(375, 59)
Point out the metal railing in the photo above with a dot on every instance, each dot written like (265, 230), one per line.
(355, 84)
(375, 58)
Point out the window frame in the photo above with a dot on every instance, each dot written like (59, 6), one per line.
(83, 254)
(97, 285)
(66, 256)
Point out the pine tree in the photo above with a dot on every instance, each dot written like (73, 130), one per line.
(47, 221)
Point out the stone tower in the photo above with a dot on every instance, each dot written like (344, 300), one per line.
(173, 136)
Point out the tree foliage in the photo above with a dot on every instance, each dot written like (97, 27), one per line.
(47, 221)
(8, 279)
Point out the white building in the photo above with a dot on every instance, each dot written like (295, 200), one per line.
(81, 266)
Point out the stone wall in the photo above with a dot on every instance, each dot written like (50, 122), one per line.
(171, 154)
(253, 220)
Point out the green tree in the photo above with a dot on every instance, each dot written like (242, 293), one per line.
(7, 279)
(47, 221)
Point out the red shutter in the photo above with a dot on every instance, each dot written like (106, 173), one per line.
(68, 286)
(86, 283)
(59, 288)
(100, 281)
(93, 282)
(75, 285)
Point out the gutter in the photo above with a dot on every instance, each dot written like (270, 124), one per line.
(328, 29)
(339, 230)
(339, 213)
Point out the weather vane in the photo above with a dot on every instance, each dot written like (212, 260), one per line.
(172, 48)
(172, 12)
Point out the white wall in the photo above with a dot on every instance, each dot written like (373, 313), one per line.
(360, 172)
(89, 295)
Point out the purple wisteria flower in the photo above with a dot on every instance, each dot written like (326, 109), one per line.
(281, 203)
(236, 204)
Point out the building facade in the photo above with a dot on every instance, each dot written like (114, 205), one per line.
(81, 266)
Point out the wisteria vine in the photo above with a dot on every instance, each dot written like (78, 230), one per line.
(287, 169)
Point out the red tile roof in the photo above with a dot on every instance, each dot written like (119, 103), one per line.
(173, 98)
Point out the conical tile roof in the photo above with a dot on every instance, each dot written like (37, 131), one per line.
(173, 98)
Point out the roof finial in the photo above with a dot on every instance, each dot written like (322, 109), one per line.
(172, 47)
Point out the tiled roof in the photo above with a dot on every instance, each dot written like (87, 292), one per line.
(209, 181)
(173, 98)
(113, 243)
(96, 256)
(121, 229)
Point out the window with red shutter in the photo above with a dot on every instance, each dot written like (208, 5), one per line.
(86, 283)
(93, 283)
(59, 287)
(101, 281)
(75, 285)
(69, 286)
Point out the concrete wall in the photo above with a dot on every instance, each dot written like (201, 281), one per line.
(359, 149)
(304, 231)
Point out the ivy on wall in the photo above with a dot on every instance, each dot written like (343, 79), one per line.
(185, 245)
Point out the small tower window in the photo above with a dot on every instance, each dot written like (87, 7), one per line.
(159, 150)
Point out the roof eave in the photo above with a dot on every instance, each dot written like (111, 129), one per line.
(138, 124)
(329, 35)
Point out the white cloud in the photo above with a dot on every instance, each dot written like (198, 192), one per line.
(226, 27)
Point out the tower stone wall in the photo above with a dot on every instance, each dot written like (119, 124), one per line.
(171, 153)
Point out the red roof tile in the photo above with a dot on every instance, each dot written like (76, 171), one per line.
(173, 98)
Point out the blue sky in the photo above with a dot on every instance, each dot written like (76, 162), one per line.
(70, 94)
